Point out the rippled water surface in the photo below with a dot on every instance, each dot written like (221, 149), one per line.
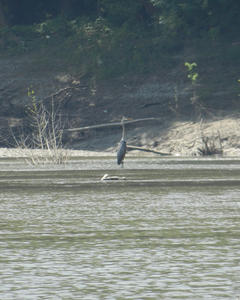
(171, 230)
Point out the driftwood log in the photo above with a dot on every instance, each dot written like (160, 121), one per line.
(130, 148)
(111, 124)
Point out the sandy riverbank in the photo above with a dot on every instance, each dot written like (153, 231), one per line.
(18, 153)
(178, 139)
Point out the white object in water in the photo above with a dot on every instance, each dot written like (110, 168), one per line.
(107, 177)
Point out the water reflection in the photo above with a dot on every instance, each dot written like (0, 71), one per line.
(66, 235)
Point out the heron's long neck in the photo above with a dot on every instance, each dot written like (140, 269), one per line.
(123, 131)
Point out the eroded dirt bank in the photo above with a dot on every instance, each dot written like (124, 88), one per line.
(82, 102)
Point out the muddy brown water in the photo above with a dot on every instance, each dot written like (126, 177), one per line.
(171, 230)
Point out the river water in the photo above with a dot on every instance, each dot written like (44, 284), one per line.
(171, 230)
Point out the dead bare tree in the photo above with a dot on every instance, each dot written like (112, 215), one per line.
(44, 143)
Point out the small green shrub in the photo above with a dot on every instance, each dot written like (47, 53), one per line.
(192, 74)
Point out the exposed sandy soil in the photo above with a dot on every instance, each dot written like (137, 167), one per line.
(186, 138)
(179, 138)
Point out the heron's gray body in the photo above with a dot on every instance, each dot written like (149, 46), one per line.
(121, 152)
(122, 149)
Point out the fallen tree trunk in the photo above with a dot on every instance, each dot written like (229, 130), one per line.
(111, 124)
(130, 148)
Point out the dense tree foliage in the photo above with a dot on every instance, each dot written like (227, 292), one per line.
(110, 37)
(174, 16)
(199, 16)
(27, 12)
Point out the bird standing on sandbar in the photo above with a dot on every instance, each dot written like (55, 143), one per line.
(122, 146)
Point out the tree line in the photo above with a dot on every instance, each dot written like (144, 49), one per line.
(174, 17)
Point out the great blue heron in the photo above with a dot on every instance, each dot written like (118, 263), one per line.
(122, 146)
